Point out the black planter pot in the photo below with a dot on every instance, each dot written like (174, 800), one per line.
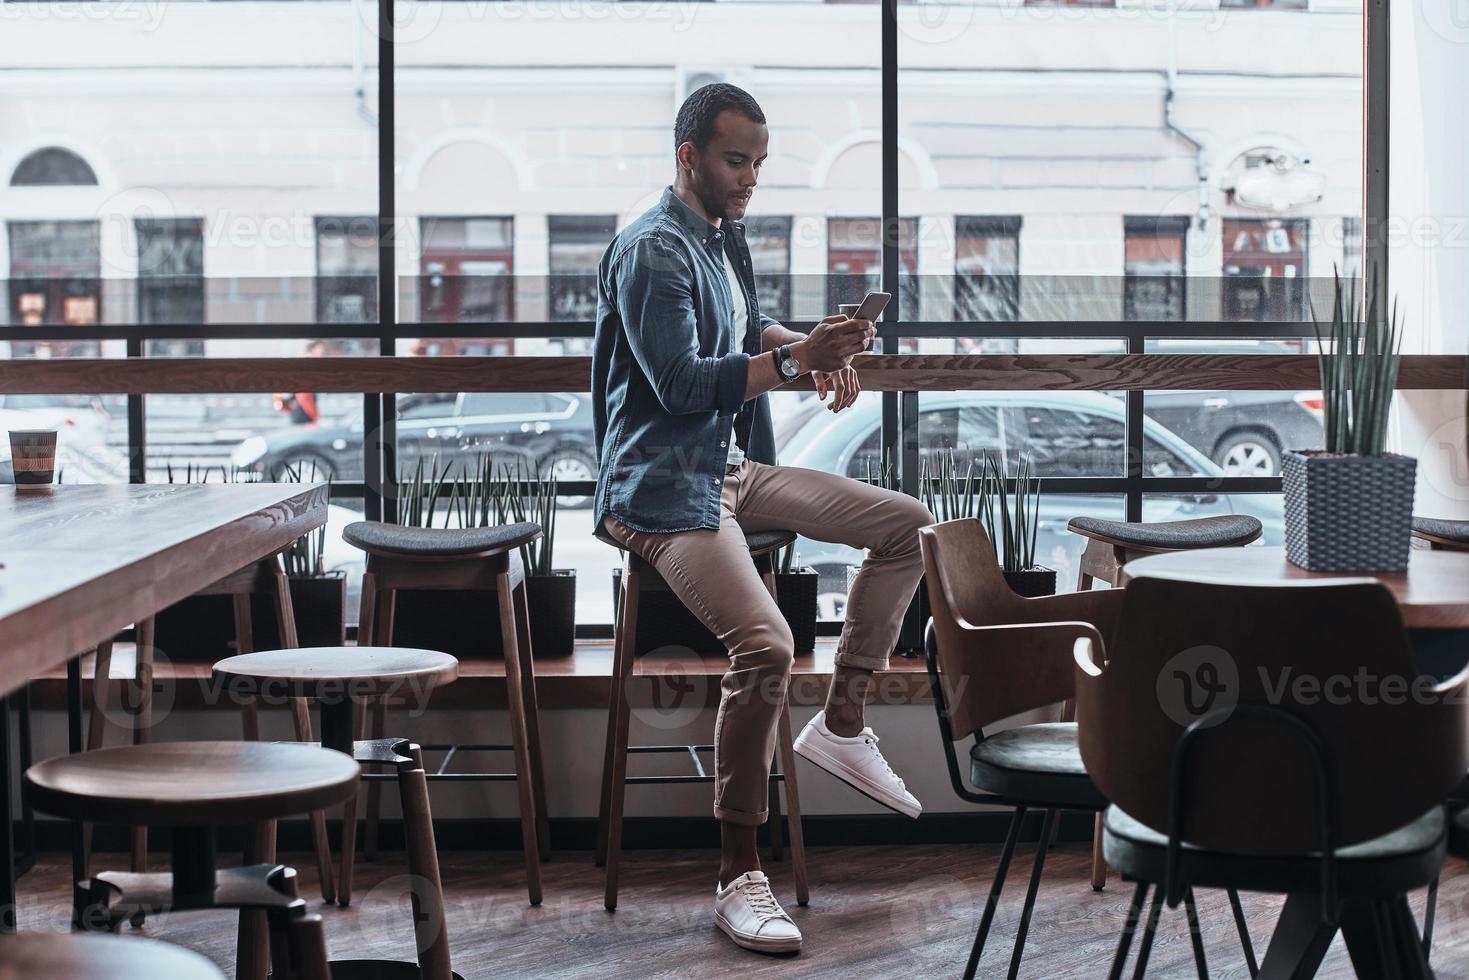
(796, 595)
(202, 627)
(466, 622)
(664, 620)
(1032, 583)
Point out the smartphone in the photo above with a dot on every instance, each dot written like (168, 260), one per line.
(872, 306)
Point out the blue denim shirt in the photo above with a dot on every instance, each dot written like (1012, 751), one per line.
(668, 376)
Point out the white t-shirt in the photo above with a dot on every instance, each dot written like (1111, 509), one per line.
(737, 325)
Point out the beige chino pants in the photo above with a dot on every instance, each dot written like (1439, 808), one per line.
(712, 573)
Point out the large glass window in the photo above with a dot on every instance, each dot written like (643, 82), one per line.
(577, 244)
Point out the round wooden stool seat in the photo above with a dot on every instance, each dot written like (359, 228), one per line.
(311, 672)
(402, 541)
(1225, 531)
(77, 956)
(195, 784)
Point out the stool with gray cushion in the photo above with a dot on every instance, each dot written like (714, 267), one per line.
(1112, 544)
(1442, 535)
(481, 558)
(639, 576)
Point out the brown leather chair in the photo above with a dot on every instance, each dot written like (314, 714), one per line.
(993, 655)
(1221, 777)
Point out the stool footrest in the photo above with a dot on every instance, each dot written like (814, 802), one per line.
(775, 777)
(249, 887)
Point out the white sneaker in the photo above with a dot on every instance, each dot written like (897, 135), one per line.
(749, 914)
(857, 762)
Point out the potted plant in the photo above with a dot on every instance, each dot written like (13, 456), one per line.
(461, 622)
(1349, 506)
(1010, 521)
(202, 627)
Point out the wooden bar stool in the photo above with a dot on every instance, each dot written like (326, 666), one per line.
(638, 577)
(1112, 544)
(483, 558)
(194, 788)
(87, 957)
(339, 678)
(265, 578)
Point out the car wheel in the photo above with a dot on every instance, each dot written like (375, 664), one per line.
(567, 464)
(307, 468)
(1248, 454)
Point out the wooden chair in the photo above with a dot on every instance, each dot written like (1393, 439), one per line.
(267, 579)
(639, 577)
(339, 678)
(1112, 544)
(194, 788)
(484, 558)
(88, 957)
(1220, 778)
(993, 655)
(1442, 535)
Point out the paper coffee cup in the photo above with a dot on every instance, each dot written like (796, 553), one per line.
(33, 457)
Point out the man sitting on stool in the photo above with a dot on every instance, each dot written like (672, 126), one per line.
(682, 360)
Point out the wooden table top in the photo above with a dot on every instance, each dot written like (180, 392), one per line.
(80, 562)
(1432, 594)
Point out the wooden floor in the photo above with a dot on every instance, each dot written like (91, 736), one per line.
(875, 912)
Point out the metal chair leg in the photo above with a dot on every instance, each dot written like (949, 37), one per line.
(1244, 933)
(1428, 912)
(1195, 934)
(976, 950)
(1129, 928)
(1043, 844)
(1149, 931)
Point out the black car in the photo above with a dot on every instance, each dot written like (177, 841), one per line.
(548, 434)
(1245, 432)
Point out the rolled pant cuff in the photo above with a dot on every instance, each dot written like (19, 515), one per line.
(743, 817)
(860, 662)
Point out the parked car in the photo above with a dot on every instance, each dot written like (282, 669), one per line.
(547, 433)
(1068, 434)
(1245, 432)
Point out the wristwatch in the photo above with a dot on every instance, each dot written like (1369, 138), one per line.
(785, 362)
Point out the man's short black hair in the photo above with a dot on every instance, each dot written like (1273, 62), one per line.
(695, 123)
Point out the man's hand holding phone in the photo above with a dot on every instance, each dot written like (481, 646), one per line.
(831, 343)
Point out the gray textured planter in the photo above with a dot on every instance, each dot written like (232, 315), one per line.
(1348, 513)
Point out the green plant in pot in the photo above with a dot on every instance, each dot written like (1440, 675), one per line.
(1010, 520)
(202, 627)
(486, 494)
(1349, 506)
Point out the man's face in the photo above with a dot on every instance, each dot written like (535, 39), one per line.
(726, 171)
